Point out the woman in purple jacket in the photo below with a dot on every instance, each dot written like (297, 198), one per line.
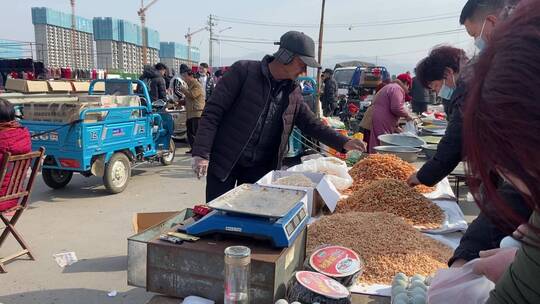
(388, 108)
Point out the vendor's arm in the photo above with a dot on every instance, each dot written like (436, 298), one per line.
(397, 105)
(194, 92)
(449, 150)
(481, 235)
(221, 100)
(313, 127)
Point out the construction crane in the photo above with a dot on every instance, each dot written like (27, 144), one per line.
(142, 13)
(73, 35)
(188, 37)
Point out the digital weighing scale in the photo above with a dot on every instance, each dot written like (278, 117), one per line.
(264, 212)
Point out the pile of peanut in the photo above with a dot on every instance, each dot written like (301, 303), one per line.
(387, 244)
(378, 166)
(395, 197)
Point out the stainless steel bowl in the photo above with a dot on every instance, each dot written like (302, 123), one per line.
(408, 154)
(429, 150)
(401, 140)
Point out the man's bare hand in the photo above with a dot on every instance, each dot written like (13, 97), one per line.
(200, 166)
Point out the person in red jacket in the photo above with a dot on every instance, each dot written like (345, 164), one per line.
(15, 139)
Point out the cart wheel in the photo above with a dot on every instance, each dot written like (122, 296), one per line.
(168, 159)
(117, 173)
(56, 179)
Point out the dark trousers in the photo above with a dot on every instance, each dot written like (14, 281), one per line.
(239, 175)
(192, 125)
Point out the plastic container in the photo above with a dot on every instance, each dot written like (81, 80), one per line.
(339, 263)
(237, 271)
(313, 287)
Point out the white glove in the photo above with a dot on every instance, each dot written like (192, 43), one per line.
(200, 166)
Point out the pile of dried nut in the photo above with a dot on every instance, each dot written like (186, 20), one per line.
(386, 243)
(377, 166)
(396, 197)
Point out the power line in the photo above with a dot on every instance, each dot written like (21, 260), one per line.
(337, 25)
(442, 33)
(269, 41)
(243, 47)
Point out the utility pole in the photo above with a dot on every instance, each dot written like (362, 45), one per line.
(188, 38)
(73, 29)
(211, 25)
(319, 84)
(219, 44)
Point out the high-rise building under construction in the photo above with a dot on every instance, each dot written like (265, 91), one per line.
(57, 45)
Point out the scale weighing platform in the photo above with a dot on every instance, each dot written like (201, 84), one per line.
(251, 210)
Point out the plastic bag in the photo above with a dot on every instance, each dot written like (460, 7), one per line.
(410, 128)
(353, 157)
(458, 286)
(334, 168)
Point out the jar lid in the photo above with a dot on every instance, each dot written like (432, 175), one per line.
(336, 261)
(237, 252)
(322, 285)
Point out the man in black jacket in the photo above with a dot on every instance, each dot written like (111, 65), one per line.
(420, 97)
(245, 127)
(329, 96)
(153, 76)
(479, 18)
(206, 80)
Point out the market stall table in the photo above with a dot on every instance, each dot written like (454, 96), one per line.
(356, 299)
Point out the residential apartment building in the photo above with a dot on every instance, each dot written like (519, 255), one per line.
(119, 45)
(174, 54)
(57, 45)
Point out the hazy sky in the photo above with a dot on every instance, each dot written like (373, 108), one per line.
(370, 19)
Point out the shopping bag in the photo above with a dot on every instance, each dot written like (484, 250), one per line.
(459, 286)
(410, 128)
(334, 168)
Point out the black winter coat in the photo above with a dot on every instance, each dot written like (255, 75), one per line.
(483, 234)
(329, 95)
(232, 112)
(157, 87)
(449, 151)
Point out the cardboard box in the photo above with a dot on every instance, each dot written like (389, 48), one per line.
(323, 194)
(101, 100)
(26, 86)
(99, 87)
(80, 86)
(128, 101)
(67, 111)
(37, 98)
(148, 226)
(143, 221)
(197, 268)
(59, 86)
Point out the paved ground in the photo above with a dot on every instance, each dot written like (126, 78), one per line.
(95, 225)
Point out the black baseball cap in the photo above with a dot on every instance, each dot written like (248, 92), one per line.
(300, 45)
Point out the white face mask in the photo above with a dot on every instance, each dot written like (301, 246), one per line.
(446, 92)
(479, 41)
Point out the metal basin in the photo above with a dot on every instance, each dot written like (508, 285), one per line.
(429, 150)
(408, 154)
(401, 140)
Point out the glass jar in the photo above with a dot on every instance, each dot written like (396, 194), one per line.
(237, 271)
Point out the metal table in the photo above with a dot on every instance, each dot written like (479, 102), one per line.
(356, 299)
